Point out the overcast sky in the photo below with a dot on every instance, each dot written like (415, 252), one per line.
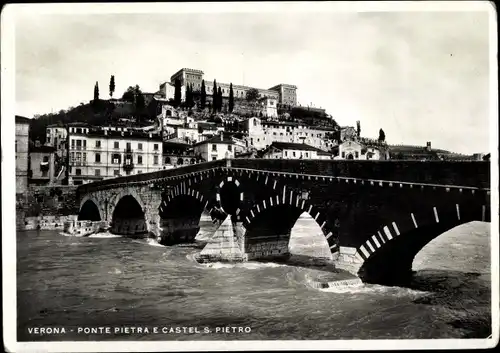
(421, 76)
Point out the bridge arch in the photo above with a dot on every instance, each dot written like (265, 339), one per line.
(268, 225)
(387, 256)
(89, 210)
(128, 215)
(180, 214)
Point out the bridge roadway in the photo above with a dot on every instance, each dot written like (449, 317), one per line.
(375, 215)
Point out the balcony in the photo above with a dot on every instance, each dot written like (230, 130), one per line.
(79, 148)
(128, 165)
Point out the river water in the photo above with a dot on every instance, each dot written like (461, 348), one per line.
(110, 281)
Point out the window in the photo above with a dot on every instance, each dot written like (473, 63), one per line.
(343, 154)
(84, 143)
(139, 159)
(117, 144)
(72, 156)
(127, 172)
(139, 171)
(45, 159)
(16, 145)
(293, 153)
(98, 158)
(214, 158)
(356, 153)
(214, 148)
(155, 147)
(155, 159)
(286, 153)
(129, 146)
(139, 146)
(116, 172)
(116, 158)
(48, 140)
(97, 172)
(78, 171)
(78, 157)
(98, 144)
(229, 147)
(307, 155)
(84, 157)
(44, 173)
(78, 130)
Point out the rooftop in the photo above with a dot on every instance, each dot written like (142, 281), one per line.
(22, 120)
(295, 146)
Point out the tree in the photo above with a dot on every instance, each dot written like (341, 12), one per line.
(358, 123)
(203, 98)
(252, 94)
(214, 97)
(96, 91)
(219, 99)
(111, 86)
(231, 98)
(177, 93)
(381, 135)
(129, 94)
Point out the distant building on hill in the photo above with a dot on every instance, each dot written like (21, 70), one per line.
(283, 93)
(261, 133)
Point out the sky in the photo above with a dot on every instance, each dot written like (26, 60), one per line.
(420, 76)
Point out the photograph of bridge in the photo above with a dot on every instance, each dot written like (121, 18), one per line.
(191, 173)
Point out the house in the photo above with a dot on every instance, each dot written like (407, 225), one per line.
(220, 146)
(289, 150)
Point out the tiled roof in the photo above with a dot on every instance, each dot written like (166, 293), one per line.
(22, 120)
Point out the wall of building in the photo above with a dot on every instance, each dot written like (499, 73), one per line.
(95, 158)
(21, 150)
(38, 171)
(261, 134)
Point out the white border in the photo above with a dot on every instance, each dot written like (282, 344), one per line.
(8, 177)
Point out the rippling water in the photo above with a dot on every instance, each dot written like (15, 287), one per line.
(107, 280)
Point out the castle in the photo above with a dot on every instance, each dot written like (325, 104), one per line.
(283, 93)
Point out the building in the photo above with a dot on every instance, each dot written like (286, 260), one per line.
(287, 150)
(176, 154)
(349, 150)
(42, 165)
(261, 133)
(101, 153)
(56, 137)
(283, 93)
(167, 91)
(287, 94)
(21, 150)
(219, 147)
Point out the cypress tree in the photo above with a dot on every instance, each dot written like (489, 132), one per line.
(203, 98)
(177, 93)
(231, 98)
(112, 86)
(96, 91)
(214, 97)
(219, 100)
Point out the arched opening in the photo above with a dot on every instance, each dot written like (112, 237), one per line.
(128, 218)
(268, 235)
(167, 160)
(350, 156)
(230, 197)
(89, 212)
(307, 242)
(180, 161)
(180, 219)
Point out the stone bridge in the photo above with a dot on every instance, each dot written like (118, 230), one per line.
(375, 215)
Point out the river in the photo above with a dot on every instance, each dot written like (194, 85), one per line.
(106, 280)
